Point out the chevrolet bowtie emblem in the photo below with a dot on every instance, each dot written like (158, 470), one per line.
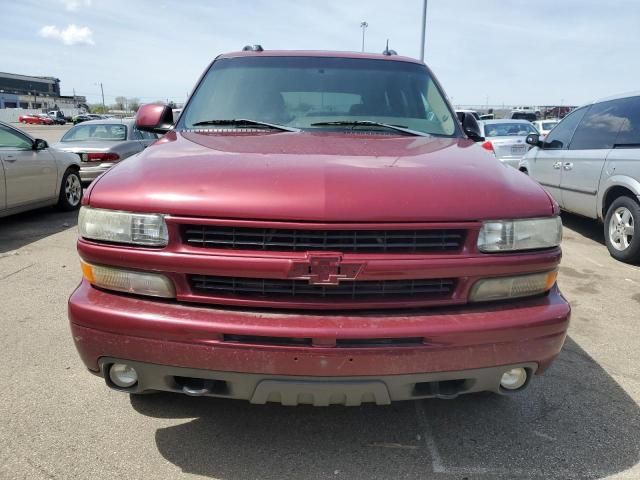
(324, 269)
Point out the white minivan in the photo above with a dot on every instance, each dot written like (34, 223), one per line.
(590, 164)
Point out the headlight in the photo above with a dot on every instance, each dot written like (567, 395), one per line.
(510, 235)
(502, 288)
(115, 226)
(129, 281)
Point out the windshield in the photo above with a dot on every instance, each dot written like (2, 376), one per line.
(548, 125)
(301, 91)
(507, 129)
(99, 131)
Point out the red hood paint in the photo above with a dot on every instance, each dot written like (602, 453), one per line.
(324, 177)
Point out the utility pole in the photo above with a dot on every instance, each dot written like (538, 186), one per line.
(363, 26)
(102, 90)
(424, 29)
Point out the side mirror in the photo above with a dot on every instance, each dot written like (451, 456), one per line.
(533, 139)
(39, 144)
(155, 118)
(471, 127)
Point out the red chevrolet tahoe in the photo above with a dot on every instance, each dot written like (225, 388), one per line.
(317, 228)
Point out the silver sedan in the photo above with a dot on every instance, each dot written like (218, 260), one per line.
(34, 175)
(506, 139)
(102, 143)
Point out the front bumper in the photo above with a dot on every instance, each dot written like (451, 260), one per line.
(318, 391)
(453, 340)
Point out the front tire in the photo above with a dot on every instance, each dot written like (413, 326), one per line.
(70, 191)
(621, 230)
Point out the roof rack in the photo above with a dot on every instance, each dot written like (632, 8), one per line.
(253, 48)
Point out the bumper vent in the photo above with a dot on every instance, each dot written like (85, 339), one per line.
(301, 289)
(290, 240)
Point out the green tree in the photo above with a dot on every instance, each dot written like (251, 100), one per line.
(121, 103)
(134, 104)
(97, 108)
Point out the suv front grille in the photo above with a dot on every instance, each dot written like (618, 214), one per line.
(291, 240)
(301, 289)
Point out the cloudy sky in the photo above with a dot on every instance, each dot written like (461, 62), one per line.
(491, 51)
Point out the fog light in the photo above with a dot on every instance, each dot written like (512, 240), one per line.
(123, 375)
(513, 379)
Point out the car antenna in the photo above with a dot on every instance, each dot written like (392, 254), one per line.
(388, 52)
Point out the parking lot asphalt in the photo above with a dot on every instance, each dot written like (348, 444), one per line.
(50, 133)
(580, 420)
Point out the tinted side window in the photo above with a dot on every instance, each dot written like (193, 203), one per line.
(599, 127)
(630, 129)
(560, 136)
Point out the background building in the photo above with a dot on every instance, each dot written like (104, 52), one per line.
(37, 93)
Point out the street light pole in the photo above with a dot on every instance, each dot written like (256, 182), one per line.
(104, 108)
(363, 26)
(424, 29)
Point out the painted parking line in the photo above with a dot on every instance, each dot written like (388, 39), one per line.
(430, 441)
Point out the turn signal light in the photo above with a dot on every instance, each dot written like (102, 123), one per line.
(503, 288)
(128, 281)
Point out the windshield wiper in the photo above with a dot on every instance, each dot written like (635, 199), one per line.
(370, 123)
(246, 122)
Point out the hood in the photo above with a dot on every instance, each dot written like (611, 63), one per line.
(332, 177)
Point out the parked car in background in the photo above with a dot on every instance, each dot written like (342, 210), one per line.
(590, 164)
(470, 112)
(527, 109)
(558, 111)
(506, 139)
(545, 126)
(85, 117)
(34, 175)
(317, 228)
(523, 115)
(102, 143)
(36, 119)
(57, 116)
